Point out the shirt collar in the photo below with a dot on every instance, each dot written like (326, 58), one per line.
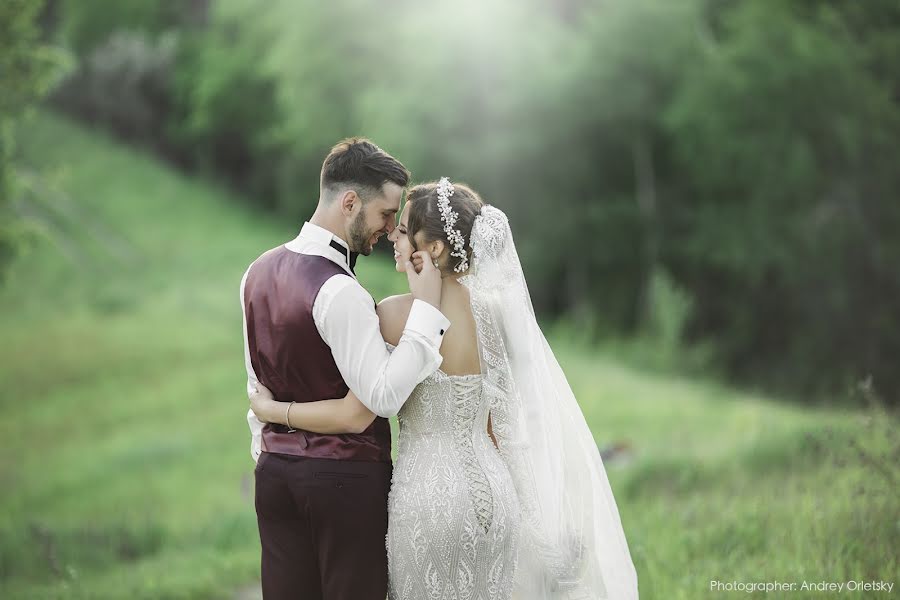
(325, 243)
(320, 235)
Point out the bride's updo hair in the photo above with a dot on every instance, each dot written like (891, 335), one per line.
(425, 216)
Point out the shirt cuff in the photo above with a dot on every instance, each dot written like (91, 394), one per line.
(256, 427)
(428, 322)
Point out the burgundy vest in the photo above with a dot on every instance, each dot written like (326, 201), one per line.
(290, 357)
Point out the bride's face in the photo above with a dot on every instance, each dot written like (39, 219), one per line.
(403, 250)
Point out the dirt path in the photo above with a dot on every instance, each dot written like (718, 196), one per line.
(248, 592)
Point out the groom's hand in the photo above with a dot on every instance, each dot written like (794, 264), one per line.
(424, 284)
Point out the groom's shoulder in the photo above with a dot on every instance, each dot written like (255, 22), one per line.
(270, 253)
(282, 253)
(262, 258)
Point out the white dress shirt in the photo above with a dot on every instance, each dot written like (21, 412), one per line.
(345, 317)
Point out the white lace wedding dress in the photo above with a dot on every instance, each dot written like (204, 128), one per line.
(453, 511)
(536, 520)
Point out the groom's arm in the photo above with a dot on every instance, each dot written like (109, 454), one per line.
(345, 315)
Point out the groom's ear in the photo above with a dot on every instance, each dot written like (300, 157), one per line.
(348, 201)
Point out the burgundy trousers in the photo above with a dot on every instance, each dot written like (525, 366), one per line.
(322, 525)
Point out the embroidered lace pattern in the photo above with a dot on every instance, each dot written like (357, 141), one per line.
(453, 510)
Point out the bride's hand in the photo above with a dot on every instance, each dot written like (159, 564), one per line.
(425, 280)
(263, 403)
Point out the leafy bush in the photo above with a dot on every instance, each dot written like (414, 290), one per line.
(28, 68)
(124, 84)
(86, 24)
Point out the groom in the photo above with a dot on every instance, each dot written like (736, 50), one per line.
(311, 333)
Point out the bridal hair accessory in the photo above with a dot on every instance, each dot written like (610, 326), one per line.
(449, 217)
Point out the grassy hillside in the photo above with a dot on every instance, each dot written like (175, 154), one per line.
(125, 467)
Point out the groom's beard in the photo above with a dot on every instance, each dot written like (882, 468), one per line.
(359, 237)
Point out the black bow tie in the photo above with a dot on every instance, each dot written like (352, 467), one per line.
(350, 257)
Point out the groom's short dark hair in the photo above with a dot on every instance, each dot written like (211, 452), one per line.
(359, 164)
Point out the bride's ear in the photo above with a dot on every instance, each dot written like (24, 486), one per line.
(436, 248)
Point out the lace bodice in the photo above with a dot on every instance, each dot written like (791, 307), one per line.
(463, 419)
(428, 412)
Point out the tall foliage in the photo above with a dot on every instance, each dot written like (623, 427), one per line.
(742, 152)
(783, 136)
(27, 69)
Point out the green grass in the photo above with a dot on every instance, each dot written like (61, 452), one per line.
(125, 467)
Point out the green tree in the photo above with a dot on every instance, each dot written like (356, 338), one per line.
(27, 70)
(786, 137)
(605, 158)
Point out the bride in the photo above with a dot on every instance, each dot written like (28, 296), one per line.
(499, 491)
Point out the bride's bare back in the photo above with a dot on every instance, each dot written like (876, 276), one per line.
(460, 345)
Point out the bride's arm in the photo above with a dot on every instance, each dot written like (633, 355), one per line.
(338, 415)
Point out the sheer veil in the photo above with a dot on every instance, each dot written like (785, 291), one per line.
(573, 546)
